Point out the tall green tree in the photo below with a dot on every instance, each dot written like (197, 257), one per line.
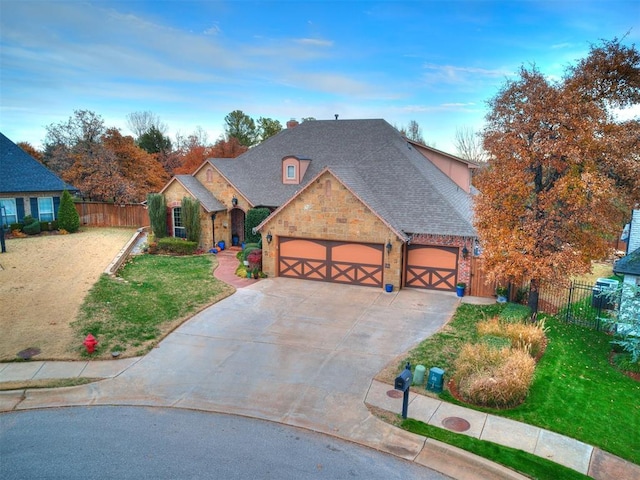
(157, 206)
(68, 218)
(241, 126)
(153, 141)
(191, 217)
(268, 127)
(563, 169)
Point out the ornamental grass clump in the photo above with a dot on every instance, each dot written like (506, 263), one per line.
(493, 378)
(529, 337)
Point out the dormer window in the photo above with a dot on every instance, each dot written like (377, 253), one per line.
(293, 169)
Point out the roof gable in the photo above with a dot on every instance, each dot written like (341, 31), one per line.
(23, 173)
(198, 191)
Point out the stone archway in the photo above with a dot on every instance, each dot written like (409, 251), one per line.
(237, 226)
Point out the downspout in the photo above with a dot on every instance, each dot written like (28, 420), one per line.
(213, 229)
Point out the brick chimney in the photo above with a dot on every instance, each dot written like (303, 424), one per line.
(292, 123)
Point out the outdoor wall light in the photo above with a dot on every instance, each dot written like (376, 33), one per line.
(465, 252)
(234, 201)
(389, 247)
(269, 237)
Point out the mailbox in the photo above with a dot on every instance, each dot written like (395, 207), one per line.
(403, 381)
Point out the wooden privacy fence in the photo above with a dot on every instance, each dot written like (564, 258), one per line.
(96, 214)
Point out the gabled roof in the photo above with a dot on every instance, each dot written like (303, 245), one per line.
(23, 173)
(629, 264)
(199, 192)
(372, 159)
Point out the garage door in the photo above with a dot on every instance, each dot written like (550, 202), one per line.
(329, 261)
(432, 267)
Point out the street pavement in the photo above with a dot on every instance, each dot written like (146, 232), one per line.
(304, 354)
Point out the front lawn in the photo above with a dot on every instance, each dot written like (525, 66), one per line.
(575, 392)
(150, 297)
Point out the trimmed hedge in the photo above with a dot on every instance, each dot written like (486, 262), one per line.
(176, 245)
(31, 225)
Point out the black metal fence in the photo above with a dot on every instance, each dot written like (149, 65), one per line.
(583, 304)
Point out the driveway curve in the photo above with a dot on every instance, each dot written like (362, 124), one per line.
(297, 352)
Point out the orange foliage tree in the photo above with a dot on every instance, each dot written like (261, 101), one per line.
(564, 171)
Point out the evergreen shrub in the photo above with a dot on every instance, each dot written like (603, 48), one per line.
(68, 218)
(176, 246)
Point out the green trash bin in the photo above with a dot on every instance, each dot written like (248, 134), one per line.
(435, 382)
(418, 375)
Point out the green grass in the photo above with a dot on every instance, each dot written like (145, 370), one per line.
(150, 297)
(523, 462)
(575, 392)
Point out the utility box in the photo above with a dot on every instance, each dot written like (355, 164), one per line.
(418, 375)
(435, 382)
(603, 296)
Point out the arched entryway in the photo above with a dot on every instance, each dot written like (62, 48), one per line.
(237, 226)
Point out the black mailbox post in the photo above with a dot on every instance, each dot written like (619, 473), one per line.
(402, 383)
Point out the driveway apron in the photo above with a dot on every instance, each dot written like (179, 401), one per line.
(292, 351)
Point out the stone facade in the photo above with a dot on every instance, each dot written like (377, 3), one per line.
(327, 210)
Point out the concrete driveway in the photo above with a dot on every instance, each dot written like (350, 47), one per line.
(298, 352)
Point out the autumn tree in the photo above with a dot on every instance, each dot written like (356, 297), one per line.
(31, 151)
(241, 126)
(140, 170)
(469, 145)
(564, 170)
(192, 151)
(230, 148)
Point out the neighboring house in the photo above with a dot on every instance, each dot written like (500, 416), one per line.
(26, 186)
(353, 201)
(629, 265)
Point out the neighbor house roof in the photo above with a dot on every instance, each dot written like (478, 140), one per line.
(199, 192)
(629, 264)
(372, 159)
(23, 173)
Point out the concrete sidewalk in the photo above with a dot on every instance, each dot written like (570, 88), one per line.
(557, 448)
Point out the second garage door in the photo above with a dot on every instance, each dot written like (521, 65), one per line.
(331, 261)
(432, 267)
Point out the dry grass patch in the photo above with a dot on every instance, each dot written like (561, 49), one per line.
(43, 281)
(494, 378)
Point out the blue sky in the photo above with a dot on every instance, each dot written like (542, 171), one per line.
(192, 62)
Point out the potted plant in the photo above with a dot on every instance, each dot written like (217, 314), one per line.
(255, 262)
(501, 293)
(460, 286)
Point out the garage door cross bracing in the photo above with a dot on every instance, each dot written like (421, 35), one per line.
(432, 267)
(331, 261)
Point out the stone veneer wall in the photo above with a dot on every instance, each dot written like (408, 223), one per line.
(328, 210)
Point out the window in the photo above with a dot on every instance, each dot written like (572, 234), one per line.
(291, 171)
(45, 209)
(8, 212)
(178, 229)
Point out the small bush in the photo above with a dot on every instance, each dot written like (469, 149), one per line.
(48, 226)
(15, 226)
(31, 225)
(255, 260)
(176, 246)
(493, 378)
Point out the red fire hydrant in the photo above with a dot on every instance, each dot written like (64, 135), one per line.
(90, 342)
